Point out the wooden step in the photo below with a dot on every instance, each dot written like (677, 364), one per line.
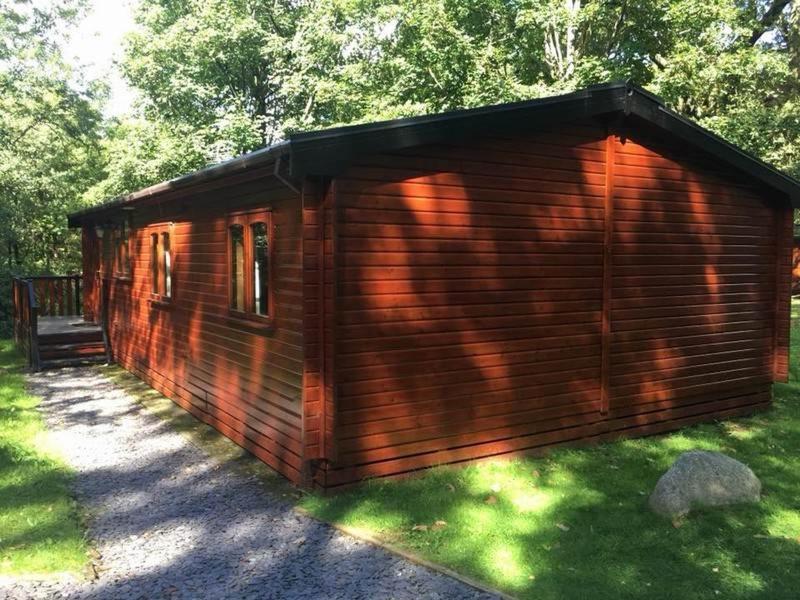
(72, 337)
(77, 350)
(61, 363)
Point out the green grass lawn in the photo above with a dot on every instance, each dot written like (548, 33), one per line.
(40, 530)
(575, 524)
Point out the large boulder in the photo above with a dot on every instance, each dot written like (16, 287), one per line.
(699, 478)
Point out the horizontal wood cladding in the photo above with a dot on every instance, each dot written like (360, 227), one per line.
(471, 287)
(244, 380)
(469, 284)
(453, 302)
(676, 309)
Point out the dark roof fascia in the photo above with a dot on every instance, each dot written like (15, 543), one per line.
(652, 109)
(255, 159)
(329, 152)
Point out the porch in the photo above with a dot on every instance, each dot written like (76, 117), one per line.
(49, 327)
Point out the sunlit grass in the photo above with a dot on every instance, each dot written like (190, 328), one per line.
(40, 531)
(575, 523)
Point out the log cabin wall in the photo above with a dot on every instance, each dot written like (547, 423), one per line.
(90, 251)
(516, 292)
(470, 289)
(244, 380)
(700, 296)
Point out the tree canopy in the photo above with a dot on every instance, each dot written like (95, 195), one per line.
(218, 78)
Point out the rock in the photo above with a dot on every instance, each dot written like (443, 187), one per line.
(700, 478)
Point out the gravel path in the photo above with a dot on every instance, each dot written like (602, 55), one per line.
(170, 522)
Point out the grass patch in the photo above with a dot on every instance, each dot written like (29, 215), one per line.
(40, 529)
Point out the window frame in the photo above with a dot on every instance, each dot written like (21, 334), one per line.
(246, 219)
(162, 266)
(120, 239)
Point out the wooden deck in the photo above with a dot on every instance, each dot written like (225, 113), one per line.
(66, 325)
(69, 340)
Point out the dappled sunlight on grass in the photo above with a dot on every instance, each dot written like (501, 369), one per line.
(40, 532)
(575, 523)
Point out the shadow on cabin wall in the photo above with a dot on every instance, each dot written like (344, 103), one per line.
(471, 296)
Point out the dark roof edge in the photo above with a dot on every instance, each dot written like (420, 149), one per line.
(234, 165)
(652, 109)
(329, 151)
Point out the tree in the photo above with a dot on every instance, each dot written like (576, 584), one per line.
(49, 153)
(241, 74)
(218, 66)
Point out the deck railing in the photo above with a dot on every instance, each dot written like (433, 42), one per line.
(26, 319)
(42, 296)
(58, 295)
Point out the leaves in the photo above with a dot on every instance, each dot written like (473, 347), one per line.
(49, 142)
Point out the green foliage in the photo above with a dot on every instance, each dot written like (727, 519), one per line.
(143, 152)
(49, 142)
(49, 151)
(233, 76)
(40, 530)
(221, 77)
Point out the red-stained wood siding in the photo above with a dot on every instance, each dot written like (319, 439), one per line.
(783, 304)
(453, 302)
(477, 313)
(90, 251)
(243, 379)
(693, 285)
(469, 300)
(319, 250)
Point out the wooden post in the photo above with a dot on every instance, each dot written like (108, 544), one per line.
(78, 302)
(33, 327)
(783, 292)
(608, 239)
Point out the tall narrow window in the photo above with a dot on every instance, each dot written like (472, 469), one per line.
(167, 265)
(120, 241)
(237, 268)
(161, 264)
(154, 262)
(250, 243)
(260, 268)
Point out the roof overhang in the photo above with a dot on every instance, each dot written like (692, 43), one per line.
(327, 153)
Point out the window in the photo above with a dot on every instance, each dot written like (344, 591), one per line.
(260, 268)
(167, 260)
(154, 262)
(122, 257)
(237, 267)
(161, 265)
(250, 263)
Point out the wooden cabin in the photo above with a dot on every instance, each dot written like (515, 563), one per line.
(370, 300)
(796, 266)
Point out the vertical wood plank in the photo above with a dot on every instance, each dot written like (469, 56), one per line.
(330, 318)
(312, 254)
(608, 224)
(60, 296)
(783, 289)
(69, 295)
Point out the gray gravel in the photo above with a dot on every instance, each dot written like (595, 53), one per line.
(170, 522)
